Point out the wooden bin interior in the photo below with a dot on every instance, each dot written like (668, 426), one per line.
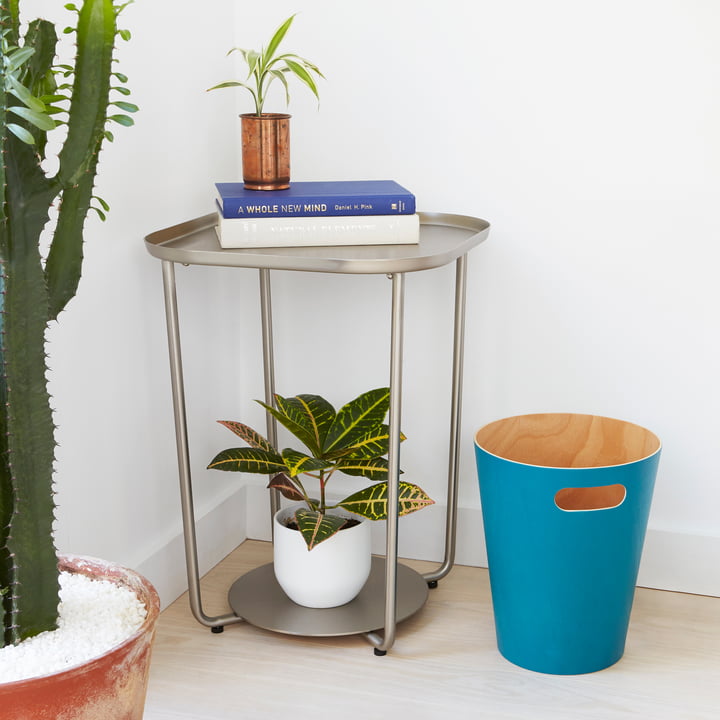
(567, 440)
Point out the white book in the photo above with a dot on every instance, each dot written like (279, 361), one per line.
(318, 231)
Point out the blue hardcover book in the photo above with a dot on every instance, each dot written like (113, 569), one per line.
(316, 199)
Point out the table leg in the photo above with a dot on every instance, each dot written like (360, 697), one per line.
(269, 371)
(384, 643)
(455, 418)
(181, 438)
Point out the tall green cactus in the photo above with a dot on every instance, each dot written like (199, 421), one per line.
(36, 285)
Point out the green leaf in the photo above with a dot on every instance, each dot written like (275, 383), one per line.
(307, 417)
(24, 95)
(357, 418)
(242, 51)
(250, 460)
(374, 444)
(123, 120)
(17, 58)
(280, 76)
(304, 75)
(21, 133)
(120, 8)
(309, 66)
(312, 413)
(298, 463)
(286, 486)
(99, 212)
(39, 120)
(231, 83)
(375, 468)
(252, 57)
(126, 106)
(49, 99)
(372, 502)
(250, 436)
(277, 38)
(317, 527)
(297, 430)
(101, 202)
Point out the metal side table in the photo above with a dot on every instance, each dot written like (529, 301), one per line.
(394, 591)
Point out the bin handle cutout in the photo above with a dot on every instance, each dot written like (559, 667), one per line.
(604, 497)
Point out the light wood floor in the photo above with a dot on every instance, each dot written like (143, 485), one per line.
(444, 663)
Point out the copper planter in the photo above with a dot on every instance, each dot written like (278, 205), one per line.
(266, 151)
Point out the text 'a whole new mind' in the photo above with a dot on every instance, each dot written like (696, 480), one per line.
(272, 209)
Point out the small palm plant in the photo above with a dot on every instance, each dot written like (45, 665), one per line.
(265, 66)
(353, 440)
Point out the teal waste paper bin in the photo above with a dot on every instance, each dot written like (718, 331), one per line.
(565, 502)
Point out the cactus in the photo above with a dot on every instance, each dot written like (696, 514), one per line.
(36, 284)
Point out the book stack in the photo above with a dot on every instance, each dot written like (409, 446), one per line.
(345, 212)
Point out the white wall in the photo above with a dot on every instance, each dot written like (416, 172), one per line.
(585, 133)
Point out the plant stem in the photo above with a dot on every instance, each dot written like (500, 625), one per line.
(322, 491)
(260, 98)
(303, 492)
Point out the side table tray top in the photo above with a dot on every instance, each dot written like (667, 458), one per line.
(443, 238)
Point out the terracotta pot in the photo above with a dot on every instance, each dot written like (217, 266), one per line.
(110, 686)
(266, 151)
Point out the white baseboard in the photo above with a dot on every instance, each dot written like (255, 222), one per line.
(219, 531)
(673, 561)
(681, 562)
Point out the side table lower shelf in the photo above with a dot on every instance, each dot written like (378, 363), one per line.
(257, 598)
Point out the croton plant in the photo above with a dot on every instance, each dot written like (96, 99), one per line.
(353, 440)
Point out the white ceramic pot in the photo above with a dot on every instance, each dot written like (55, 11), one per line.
(330, 574)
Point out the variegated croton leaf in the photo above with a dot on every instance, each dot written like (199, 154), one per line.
(316, 526)
(246, 433)
(298, 463)
(308, 417)
(250, 460)
(372, 502)
(286, 487)
(356, 419)
(374, 468)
